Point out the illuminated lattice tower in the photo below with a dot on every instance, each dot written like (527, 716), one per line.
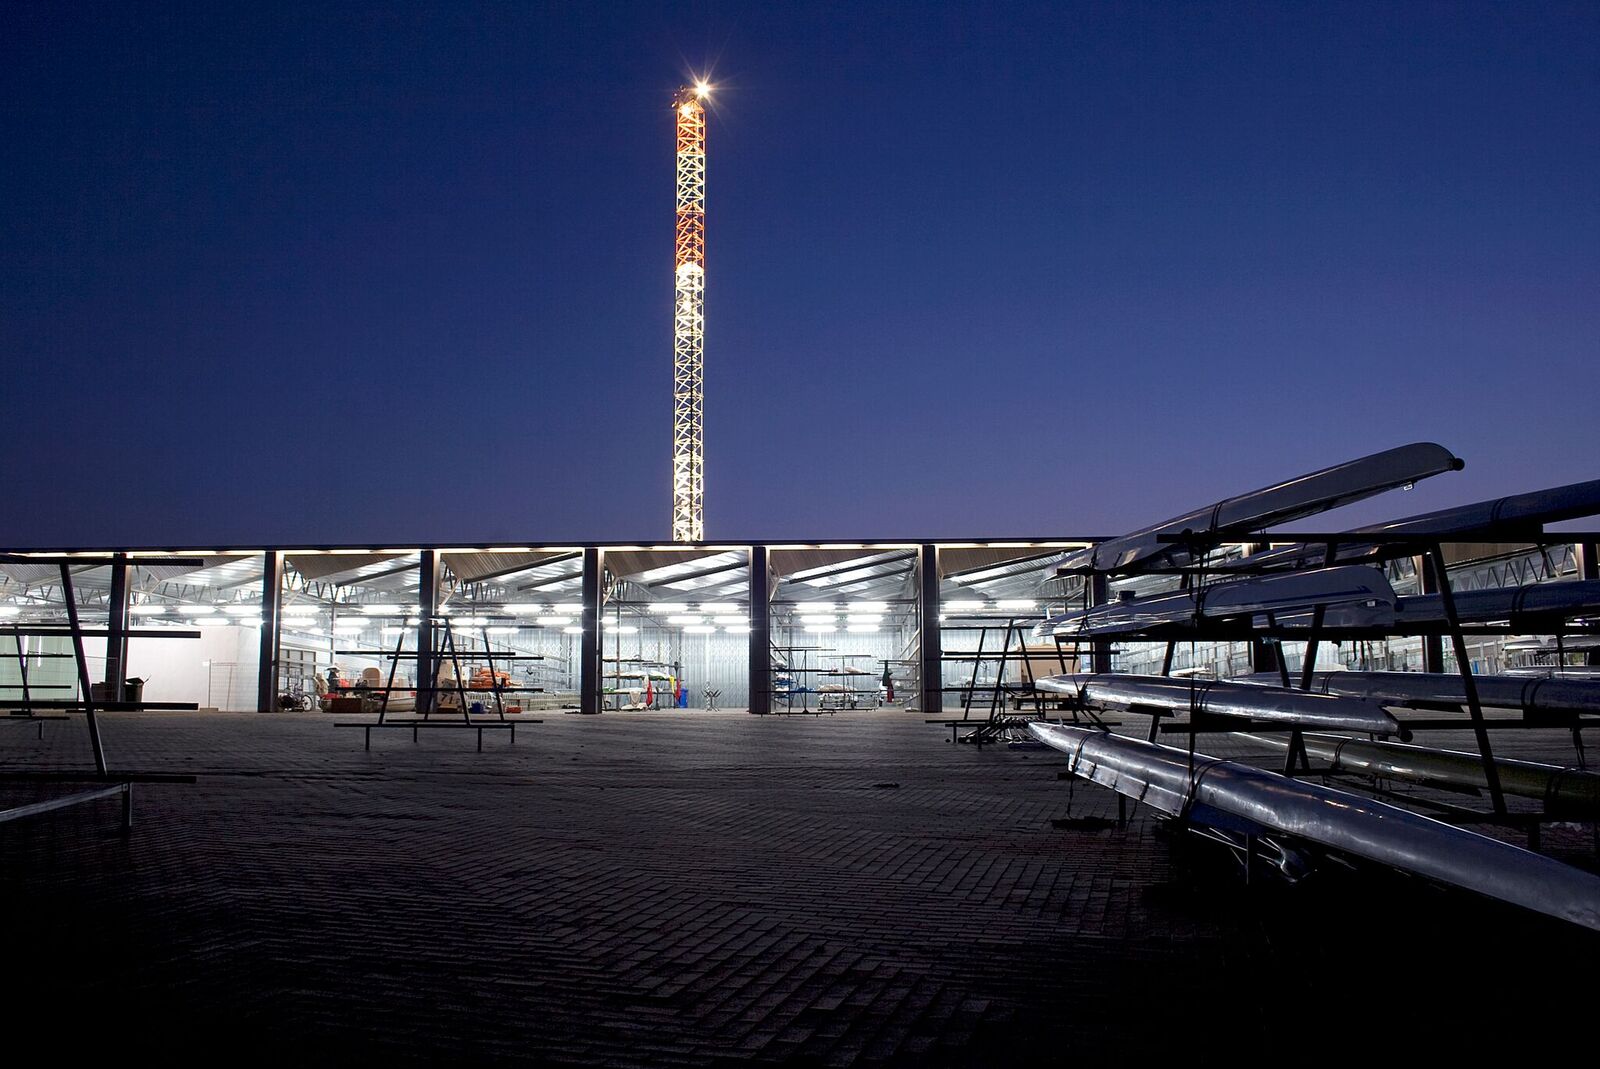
(689, 319)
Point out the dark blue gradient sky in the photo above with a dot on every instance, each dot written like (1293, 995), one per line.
(350, 274)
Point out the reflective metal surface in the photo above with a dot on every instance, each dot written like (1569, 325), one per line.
(1213, 792)
(1363, 594)
(1432, 690)
(1480, 519)
(1293, 499)
(1237, 700)
(1561, 599)
(1567, 791)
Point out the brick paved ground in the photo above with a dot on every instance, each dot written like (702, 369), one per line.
(703, 889)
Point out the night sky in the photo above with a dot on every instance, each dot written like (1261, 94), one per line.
(339, 273)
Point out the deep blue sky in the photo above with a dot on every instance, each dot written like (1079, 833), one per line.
(341, 273)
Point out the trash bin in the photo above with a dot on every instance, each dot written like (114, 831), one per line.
(133, 690)
(101, 692)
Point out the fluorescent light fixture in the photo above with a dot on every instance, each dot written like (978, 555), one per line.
(869, 606)
(1015, 603)
(719, 606)
(623, 629)
(242, 610)
(571, 608)
(730, 619)
(964, 606)
(572, 630)
(524, 607)
(499, 630)
(862, 629)
(816, 619)
(670, 606)
(470, 621)
(699, 629)
(301, 610)
(820, 629)
(197, 610)
(12, 610)
(553, 621)
(683, 619)
(349, 629)
(738, 629)
(864, 618)
(380, 610)
(208, 621)
(137, 610)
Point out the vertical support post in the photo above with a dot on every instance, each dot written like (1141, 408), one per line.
(1265, 655)
(117, 626)
(427, 602)
(271, 599)
(760, 630)
(589, 641)
(1099, 594)
(932, 648)
(27, 695)
(1432, 645)
(1588, 557)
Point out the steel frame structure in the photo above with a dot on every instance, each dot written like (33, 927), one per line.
(689, 319)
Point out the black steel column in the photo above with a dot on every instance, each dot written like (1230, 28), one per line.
(930, 642)
(589, 641)
(117, 626)
(1099, 594)
(427, 602)
(760, 630)
(271, 598)
(1432, 645)
(1264, 656)
(1588, 554)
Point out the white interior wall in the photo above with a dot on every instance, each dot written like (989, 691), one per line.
(216, 670)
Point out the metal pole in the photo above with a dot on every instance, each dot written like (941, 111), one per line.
(1432, 645)
(930, 641)
(760, 630)
(1099, 594)
(117, 626)
(427, 602)
(267, 665)
(589, 642)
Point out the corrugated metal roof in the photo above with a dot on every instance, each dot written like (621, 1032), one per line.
(344, 567)
(489, 564)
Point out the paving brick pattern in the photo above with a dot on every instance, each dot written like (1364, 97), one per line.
(695, 890)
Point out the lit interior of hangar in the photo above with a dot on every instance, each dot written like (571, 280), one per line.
(625, 628)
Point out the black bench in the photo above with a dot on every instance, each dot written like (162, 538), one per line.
(416, 726)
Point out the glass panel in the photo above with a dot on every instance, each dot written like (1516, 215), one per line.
(218, 595)
(845, 628)
(33, 594)
(990, 598)
(675, 630)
